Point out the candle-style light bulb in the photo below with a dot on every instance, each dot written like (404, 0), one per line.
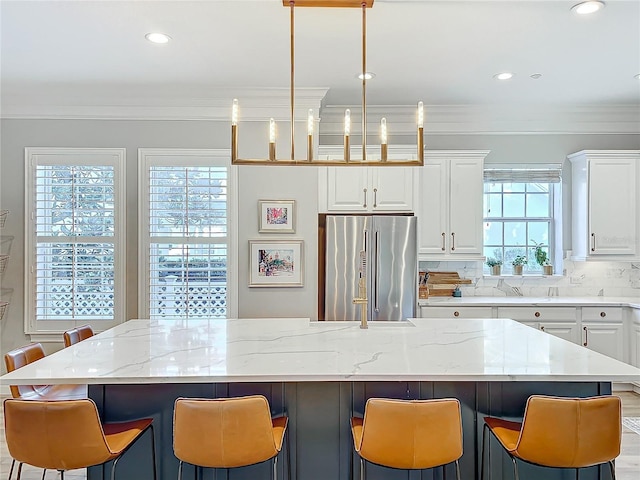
(420, 115)
(234, 112)
(383, 131)
(272, 130)
(310, 122)
(347, 122)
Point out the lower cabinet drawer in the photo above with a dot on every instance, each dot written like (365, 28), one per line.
(602, 314)
(456, 312)
(538, 314)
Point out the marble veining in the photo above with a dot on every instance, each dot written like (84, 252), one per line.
(296, 350)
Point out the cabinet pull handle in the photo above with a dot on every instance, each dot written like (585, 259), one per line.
(542, 327)
(603, 314)
(586, 339)
(453, 241)
(375, 198)
(364, 190)
(537, 314)
(443, 235)
(593, 243)
(456, 314)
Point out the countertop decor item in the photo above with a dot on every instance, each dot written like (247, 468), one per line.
(542, 258)
(518, 264)
(443, 284)
(311, 119)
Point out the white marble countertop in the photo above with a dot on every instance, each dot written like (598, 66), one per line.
(531, 301)
(294, 349)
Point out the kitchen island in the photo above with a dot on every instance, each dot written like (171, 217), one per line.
(319, 373)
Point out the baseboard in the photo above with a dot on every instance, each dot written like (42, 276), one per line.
(626, 387)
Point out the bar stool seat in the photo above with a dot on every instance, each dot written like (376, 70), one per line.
(245, 433)
(409, 434)
(560, 432)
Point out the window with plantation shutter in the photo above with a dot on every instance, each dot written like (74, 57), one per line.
(185, 207)
(75, 231)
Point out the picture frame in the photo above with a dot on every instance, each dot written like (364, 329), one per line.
(276, 263)
(277, 216)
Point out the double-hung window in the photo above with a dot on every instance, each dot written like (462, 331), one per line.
(520, 205)
(74, 230)
(186, 248)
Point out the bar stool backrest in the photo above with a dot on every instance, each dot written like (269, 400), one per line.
(20, 357)
(57, 435)
(77, 334)
(224, 433)
(411, 434)
(570, 432)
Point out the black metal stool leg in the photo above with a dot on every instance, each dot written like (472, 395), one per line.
(457, 470)
(485, 429)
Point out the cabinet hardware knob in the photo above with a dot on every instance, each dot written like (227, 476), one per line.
(537, 314)
(456, 314)
(586, 339)
(542, 327)
(603, 314)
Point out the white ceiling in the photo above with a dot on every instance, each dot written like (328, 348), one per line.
(442, 52)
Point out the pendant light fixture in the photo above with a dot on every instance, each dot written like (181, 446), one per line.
(310, 160)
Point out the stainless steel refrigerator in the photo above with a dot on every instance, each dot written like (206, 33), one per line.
(389, 263)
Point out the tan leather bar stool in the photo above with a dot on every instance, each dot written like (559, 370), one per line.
(561, 433)
(77, 334)
(22, 356)
(67, 434)
(408, 434)
(245, 433)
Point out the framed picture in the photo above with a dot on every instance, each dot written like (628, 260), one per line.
(275, 263)
(277, 216)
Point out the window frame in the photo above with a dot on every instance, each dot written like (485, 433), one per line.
(148, 157)
(48, 330)
(553, 219)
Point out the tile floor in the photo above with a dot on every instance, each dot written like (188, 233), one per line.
(627, 464)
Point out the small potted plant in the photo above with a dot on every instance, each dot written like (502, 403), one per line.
(518, 263)
(495, 264)
(542, 259)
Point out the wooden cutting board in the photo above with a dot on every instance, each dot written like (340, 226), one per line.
(442, 284)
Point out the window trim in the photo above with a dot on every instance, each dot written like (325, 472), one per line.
(197, 157)
(47, 330)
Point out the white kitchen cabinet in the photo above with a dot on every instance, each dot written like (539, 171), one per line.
(450, 205)
(558, 321)
(603, 330)
(455, 312)
(605, 204)
(634, 357)
(366, 189)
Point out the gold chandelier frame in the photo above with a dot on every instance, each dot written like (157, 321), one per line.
(310, 160)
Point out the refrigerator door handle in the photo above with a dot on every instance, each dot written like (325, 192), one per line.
(376, 278)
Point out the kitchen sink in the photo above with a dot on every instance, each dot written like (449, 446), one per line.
(371, 324)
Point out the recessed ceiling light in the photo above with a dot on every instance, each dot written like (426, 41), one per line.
(366, 76)
(637, 77)
(585, 8)
(156, 37)
(503, 76)
(535, 76)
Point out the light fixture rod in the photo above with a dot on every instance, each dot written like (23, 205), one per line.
(364, 81)
(292, 4)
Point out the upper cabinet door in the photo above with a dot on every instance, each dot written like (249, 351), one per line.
(433, 216)
(348, 189)
(391, 189)
(612, 206)
(465, 208)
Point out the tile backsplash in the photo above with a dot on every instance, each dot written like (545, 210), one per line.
(578, 279)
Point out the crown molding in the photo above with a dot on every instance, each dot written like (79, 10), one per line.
(112, 102)
(489, 119)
